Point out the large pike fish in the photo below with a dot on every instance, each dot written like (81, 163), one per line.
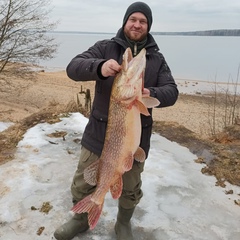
(121, 145)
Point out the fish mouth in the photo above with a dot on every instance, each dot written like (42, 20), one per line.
(129, 82)
(132, 77)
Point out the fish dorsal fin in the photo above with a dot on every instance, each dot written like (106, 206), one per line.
(150, 102)
(142, 108)
(90, 173)
(140, 155)
(116, 187)
(127, 57)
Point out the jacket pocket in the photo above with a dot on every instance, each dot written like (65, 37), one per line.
(99, 125)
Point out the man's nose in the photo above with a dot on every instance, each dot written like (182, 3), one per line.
(137, 24)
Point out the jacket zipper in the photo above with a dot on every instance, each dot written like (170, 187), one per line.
(135, 50)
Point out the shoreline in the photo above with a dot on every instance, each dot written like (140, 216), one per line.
(189, 86)
(185, 86)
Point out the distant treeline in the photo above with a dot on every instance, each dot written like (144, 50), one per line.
(221, 32)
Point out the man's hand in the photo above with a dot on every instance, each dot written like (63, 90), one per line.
(110, 68)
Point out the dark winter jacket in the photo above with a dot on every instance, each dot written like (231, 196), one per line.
(87, 66)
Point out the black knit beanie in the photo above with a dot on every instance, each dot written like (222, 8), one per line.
(139, 7)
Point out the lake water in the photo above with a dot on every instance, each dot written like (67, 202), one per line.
(189, 57)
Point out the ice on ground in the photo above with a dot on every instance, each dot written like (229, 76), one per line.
(179, 202)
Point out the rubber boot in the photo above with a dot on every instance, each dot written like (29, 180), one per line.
(123, 227)
(77, 224)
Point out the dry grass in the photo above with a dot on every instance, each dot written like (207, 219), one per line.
(226, 165)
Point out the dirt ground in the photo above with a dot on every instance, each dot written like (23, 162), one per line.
(29, 96)
(188, 122)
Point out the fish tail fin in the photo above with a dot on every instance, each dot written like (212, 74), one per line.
(87, 205)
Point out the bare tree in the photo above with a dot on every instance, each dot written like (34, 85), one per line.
(23, 32)
(224, 109)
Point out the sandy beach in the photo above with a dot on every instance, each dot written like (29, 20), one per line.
(29, 96)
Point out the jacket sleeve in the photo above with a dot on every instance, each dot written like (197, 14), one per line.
(166, 90)
(87, 65)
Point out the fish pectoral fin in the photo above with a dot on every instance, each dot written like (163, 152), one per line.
(140, 155)
(142, 108)
(150, 102)
(116, 188)
(90, 173)
(87, 205)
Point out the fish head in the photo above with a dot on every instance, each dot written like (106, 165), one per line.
(129, 81)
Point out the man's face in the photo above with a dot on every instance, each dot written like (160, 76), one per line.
(136, 27)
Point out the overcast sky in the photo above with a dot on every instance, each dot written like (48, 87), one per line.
(175, 15)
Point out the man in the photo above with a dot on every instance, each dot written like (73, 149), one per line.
(101, 62)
